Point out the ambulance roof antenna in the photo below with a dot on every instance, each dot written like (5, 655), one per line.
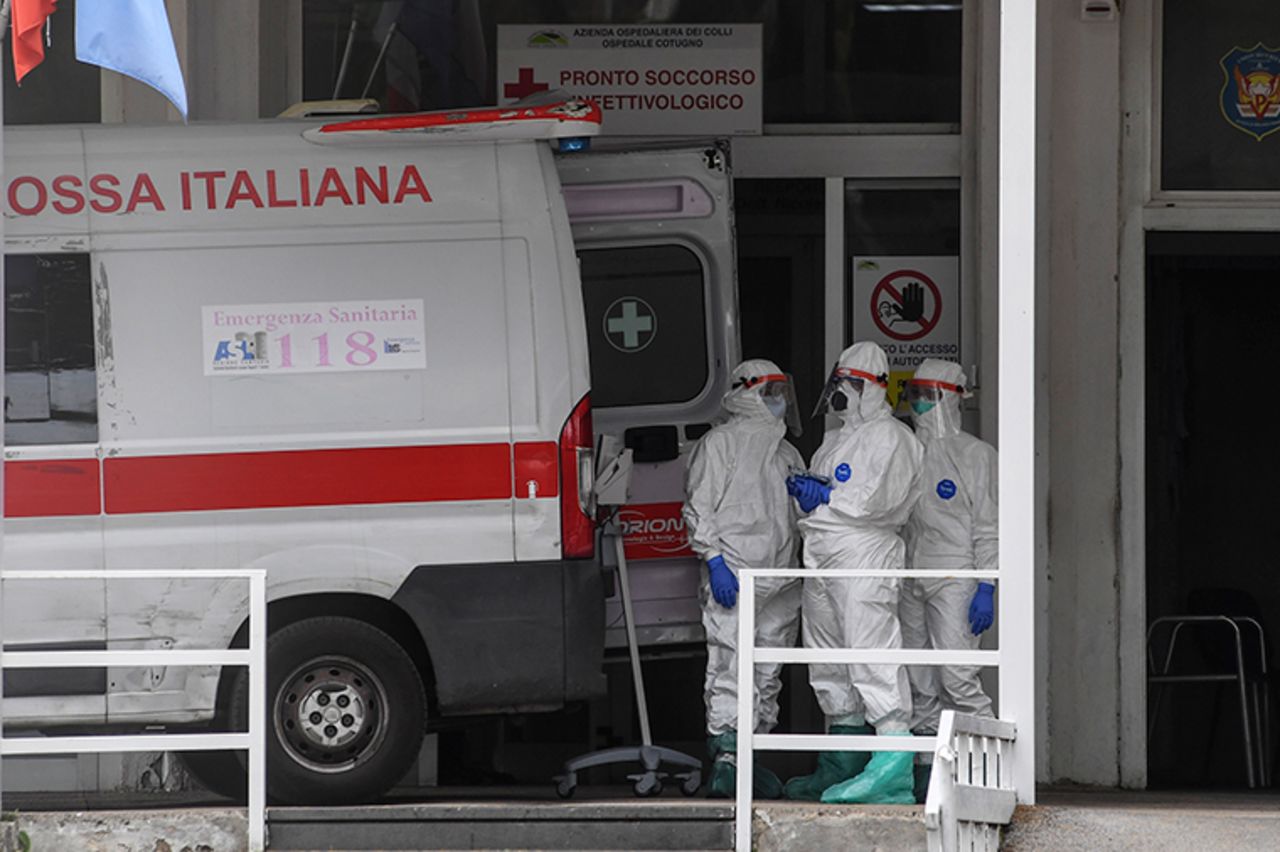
(346, 53)
(382, 52)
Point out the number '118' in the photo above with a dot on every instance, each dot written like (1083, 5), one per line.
(360, 351)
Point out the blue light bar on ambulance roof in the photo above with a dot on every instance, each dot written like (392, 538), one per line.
(570, 118)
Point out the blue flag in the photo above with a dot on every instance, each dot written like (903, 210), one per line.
(133, 38)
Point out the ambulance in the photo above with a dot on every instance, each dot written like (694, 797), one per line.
(374, 357)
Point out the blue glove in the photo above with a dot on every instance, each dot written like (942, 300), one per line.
(812, 494)
(793, 485)
(724, 585)
(982, 609)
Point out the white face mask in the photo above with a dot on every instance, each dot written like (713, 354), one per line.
(776, 405)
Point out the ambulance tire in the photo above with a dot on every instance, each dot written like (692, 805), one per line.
(346, 712)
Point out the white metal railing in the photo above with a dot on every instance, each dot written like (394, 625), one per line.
(254, 657)
(749, 656)
(971, 793)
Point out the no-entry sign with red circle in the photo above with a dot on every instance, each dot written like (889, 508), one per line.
(910, 306)
(906, 304)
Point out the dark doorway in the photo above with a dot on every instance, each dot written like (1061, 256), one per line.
(1212, 304)
(780, 233)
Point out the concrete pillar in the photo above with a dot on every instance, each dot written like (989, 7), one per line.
(279, 56)
(1084, 463)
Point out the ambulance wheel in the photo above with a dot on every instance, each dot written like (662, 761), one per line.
(346, 712)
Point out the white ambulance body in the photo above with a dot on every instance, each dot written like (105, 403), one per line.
(364, 368)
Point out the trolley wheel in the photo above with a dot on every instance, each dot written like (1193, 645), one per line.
(566, 788)
(648, 785)
(692, 783)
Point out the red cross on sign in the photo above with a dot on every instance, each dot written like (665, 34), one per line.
(906, 304)
(524, 86)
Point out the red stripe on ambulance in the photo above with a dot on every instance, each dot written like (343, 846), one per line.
(272, 480)
(194, 483)
(36, 489)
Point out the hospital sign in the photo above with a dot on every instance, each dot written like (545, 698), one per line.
(649, 79)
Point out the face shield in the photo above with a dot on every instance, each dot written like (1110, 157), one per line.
(844, 388)
(921, 395)
(778, 395)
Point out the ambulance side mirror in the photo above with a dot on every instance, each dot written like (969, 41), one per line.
(651, 444)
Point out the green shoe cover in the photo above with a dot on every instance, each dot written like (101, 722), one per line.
(726, 743)
(724, 771)
(922, 772)
(723, 782)
(887, 780)
(833, 767)
(765, 784)
(724, 768)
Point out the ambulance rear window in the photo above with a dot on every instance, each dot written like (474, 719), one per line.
(646, 324)
(50, 387)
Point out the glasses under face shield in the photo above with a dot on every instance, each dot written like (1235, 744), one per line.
(844, 387)
(778, 395)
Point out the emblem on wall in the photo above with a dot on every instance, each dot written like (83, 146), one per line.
(1250, 97)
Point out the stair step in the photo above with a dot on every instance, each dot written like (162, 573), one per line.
(618, 824)
(1122, 820)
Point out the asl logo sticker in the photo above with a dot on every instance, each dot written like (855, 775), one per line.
(245, 351)
(1250, 98)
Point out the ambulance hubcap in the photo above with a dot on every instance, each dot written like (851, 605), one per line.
(331, 714)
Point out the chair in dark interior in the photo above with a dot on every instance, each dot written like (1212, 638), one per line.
(1222, 632)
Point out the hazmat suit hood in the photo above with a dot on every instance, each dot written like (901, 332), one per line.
(939, 418)
(866, 357)
(749, 384)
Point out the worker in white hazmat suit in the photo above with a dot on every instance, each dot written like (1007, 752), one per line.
(859, 492)
(738, 515)
(954, 526)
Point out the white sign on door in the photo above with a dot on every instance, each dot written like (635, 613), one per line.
(649, 79)
(314, 337)
(911, 307)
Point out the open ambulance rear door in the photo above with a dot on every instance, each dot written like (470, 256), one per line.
(654, 235)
